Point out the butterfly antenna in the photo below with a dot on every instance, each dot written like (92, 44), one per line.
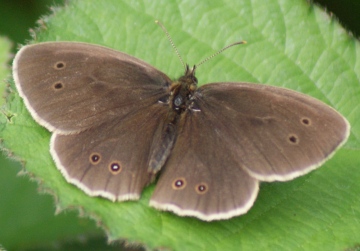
(171, 41)
(218, 52)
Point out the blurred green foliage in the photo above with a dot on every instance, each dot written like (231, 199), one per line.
(347, 11)
(18, 16)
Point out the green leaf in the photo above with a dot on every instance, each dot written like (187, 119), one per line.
(27, 219)
(4, 65)
(291, 44)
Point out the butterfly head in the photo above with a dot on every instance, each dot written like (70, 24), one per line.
(183, 89)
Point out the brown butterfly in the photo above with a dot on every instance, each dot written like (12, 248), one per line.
(118, 122)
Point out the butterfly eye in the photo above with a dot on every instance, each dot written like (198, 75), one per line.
(202, 188)
(115, 167)
(178, 100)
(179, 183)
(95, 158)
(59, 65)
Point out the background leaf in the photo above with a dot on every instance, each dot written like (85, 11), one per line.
(5, 56)
(291, 44)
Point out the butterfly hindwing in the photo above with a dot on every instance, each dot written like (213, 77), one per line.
(201, 178)
(111, 160)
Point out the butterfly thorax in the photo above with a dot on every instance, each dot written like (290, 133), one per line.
(180, 100)
(182, 90)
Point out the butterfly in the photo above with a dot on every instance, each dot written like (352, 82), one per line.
(118, 124)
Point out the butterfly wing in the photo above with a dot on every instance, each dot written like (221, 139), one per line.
(236, 134)
(276, 133)
(69, 87)
(103, 107)
(111, 160)
(201, 177)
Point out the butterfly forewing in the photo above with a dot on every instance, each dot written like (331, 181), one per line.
(275, 133)
(69, 87)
